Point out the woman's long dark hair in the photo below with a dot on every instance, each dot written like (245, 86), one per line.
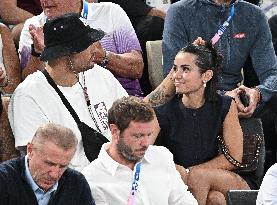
(207, 58)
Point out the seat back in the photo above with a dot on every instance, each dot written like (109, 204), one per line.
(249, 127)
(241, 197)
(7, 146)
(154, 59)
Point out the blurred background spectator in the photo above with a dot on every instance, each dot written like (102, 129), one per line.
(269, 7)
(16, 12)
(148, 23)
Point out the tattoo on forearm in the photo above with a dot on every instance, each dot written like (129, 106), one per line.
(158, 97)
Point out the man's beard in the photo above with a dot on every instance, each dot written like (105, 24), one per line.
(126, 152)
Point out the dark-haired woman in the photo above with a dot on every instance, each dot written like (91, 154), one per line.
(192, 120)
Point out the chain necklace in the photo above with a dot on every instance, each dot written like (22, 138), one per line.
(85, 92)
(84, 88)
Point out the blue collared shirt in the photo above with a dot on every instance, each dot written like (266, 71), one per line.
(42, 197)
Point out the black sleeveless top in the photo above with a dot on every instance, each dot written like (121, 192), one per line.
(190, 134)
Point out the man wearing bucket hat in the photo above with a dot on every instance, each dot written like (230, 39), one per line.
(89, 89)
(119, 51)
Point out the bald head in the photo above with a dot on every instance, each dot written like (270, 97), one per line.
(59, 135)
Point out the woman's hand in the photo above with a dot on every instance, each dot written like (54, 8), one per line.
(183, 173)
(235, 94)
(254, 97)
(199, 41)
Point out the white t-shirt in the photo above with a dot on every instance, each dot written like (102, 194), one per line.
(120, 35)
(159, 182)
(35, 102)
(268, 191)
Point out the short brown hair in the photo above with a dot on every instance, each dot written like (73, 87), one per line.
(128, 109)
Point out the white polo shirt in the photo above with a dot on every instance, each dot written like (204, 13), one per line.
(159, 181)
(268, 191)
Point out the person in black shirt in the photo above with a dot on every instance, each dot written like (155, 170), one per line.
(190, 123)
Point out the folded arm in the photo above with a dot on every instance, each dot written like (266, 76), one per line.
(11, 13)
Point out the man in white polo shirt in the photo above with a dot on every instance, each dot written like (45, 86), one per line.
(131, 171)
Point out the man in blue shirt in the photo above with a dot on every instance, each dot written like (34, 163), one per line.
(246, 33)
(42, 176)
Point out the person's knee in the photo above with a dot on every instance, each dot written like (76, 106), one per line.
(215, 198)
(197, 174)
(196, 178)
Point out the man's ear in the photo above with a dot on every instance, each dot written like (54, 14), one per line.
(115, 131)
(30, 149)
(207, 76)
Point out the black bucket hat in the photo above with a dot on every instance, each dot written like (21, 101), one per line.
(67, 34)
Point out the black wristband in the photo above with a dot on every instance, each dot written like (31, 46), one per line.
(33, 52)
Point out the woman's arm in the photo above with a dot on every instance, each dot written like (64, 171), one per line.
(157, 130)
(163, 93)
(233, 139)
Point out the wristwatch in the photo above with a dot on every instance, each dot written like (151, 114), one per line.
(33, 52)
(105, 61)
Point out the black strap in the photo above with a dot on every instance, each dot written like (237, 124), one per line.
(63, 98)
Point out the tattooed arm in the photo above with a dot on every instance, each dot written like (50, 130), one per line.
(163, 93)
